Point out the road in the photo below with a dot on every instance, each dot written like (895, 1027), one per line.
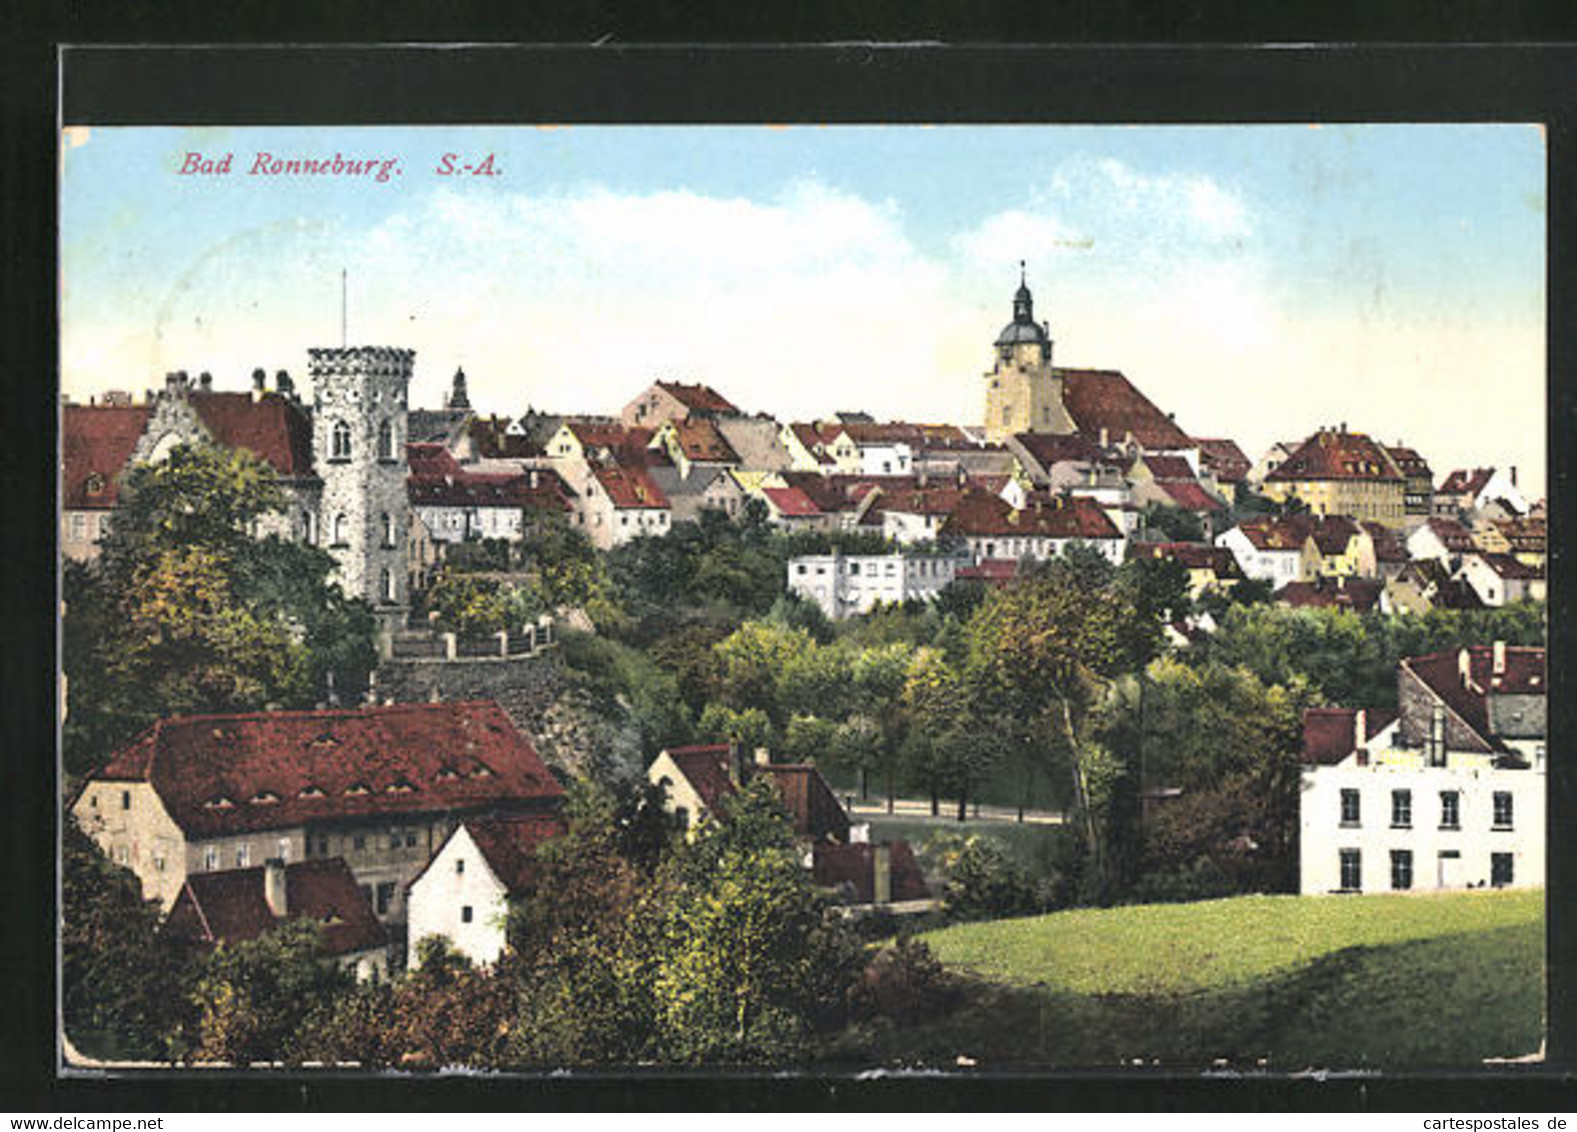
(919, 809)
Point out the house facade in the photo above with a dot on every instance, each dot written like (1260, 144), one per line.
(379, 787)
(1337, 472)
(844, 585)
(1447, 794)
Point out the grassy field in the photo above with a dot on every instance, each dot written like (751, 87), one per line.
(1285, 983)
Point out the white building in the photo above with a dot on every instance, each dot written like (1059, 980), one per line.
(1269, 550)
(463, 893)
(846, 584)
(1447, 795)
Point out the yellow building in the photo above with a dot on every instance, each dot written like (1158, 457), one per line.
(1336, 472)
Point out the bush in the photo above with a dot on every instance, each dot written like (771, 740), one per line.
(904, 983)
(981, 880)
(1201, 880)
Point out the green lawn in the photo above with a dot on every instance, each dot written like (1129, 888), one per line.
(1279, 983)
(1179, 948)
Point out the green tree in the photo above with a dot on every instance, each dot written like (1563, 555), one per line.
(188, 610)
(253, 998)
(122, 984)
(879, 676)
(749, 662)
(942, 754)
(751, 961)
(1164, 523)
(470, 605)
(721, 724)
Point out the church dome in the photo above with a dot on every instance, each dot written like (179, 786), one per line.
(1016, 332)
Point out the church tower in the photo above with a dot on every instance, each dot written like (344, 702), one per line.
(1023, 391)
(358, 448)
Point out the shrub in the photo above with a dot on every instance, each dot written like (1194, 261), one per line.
(904, 983)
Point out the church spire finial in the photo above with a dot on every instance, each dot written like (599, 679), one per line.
(1021, 277)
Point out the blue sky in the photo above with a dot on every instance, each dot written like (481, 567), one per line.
(1256, 281)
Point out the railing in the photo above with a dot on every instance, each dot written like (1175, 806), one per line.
(428, 643)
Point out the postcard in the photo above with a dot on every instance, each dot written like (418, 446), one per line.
(815, 598)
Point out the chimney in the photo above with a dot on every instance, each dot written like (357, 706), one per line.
(763, 757)
(1513, 475)
(286, 387)
(1500, 658)
(1360, 722)
(274, 887)
(1105, 436)
(882, 874)
(205, 381)
(1465, 667)
(259, 380)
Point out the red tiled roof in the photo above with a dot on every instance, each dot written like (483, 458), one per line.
(1060, 516)
(226, 774)
(705, 766)
(1190, 555)
(1049, 448)
(815, 439)
(623, 442)
(472, 489)
(1190, 496)
(828, 493)
(510, 845)
(95, 443)
(697, 397)
(1441, 672)
(1098, 399)
(1329, 734)
(921, 500)
(231, 907)
(630, 487)
(814, 808)
(1452, 534)
(1164, 466)
(699, 439)
(1510, 568)
(992, 571)
(833, 866)
(1333, 533)
(1331, 455)
(1462, 482)
(431, 461)
(1525, 534)
(1358, 594)
(1388, 544)
(493, 441)
(1225, 458)
(1289, 533)
(1410, 462)
(791, 502)
(273, 428)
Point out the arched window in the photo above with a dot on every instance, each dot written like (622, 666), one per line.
(388, 529)
(341, 448)
(385, 441)
(339, 529)
(387, 578)
(309, 531)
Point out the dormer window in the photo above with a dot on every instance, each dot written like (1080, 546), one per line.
(312, 792)
(264, 798)
(356, 790)
(447, 774)
(95, 484)
(219, 803)
(482, 771)
(400, 787)
(326, 739)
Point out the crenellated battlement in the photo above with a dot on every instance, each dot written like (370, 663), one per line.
(379, 361)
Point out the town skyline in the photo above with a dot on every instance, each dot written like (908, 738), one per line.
(1258, 283)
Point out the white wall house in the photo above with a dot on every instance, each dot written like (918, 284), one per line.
(463, 893)
(1264, 558)
(1385, 819)
(846, 584)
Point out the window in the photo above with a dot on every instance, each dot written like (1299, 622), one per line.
(309, 527)
(366, 894)
(284, 849)
(385, 441)
(243, 855)
(79, 526)
(800, 569)
(1503, 810)
(1437, 735)
(210, 858)
(1450, 810)
(340, 529)
(122, 855)
(410, 839)
(158, 860)
(1352, 870)
(385, 896)
(1401, 809)
(459, 865)
(1350, 808)
(1500, 869)
(465, 913)
(1401, 869)
(125, 799)
(341, 444)
(386, 522)
(359, 841)
(386, 580)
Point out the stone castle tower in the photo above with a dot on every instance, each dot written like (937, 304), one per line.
(1023, 390)
(358, 448)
